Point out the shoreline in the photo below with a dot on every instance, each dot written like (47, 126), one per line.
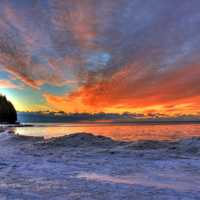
(148, 122)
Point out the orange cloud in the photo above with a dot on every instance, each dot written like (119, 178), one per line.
(178, 88)
(65, 103)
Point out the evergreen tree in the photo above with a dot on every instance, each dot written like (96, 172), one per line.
(8, 113)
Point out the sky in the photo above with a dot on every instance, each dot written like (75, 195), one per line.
(139, 56)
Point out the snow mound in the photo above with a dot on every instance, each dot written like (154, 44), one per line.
(81, 140)
(189, 146)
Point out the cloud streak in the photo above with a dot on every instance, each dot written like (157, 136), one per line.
(8, 85)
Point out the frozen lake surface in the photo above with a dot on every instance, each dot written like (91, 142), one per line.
(90, 167)
(116, 131)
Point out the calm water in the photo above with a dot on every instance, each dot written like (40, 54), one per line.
(125, 132)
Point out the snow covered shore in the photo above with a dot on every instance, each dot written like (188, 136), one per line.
(88, 167)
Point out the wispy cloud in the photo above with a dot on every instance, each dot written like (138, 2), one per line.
(8, 85)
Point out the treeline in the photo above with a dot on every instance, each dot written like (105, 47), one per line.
(8, 113)
(56, 117)
(71, 117)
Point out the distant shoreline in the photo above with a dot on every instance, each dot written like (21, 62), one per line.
(32, 124)
(159, 122)
(113, 122)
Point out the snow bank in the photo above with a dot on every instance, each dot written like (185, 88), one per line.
(84, 166)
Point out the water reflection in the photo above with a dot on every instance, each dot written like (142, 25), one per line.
(125, 132)
(178, 183)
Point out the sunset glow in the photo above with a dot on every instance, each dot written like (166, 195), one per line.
(101, 56)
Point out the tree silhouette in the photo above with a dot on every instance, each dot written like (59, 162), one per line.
(8, 113)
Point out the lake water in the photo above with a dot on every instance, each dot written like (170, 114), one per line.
(123, 132)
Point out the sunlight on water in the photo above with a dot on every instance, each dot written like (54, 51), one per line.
(125, 132)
